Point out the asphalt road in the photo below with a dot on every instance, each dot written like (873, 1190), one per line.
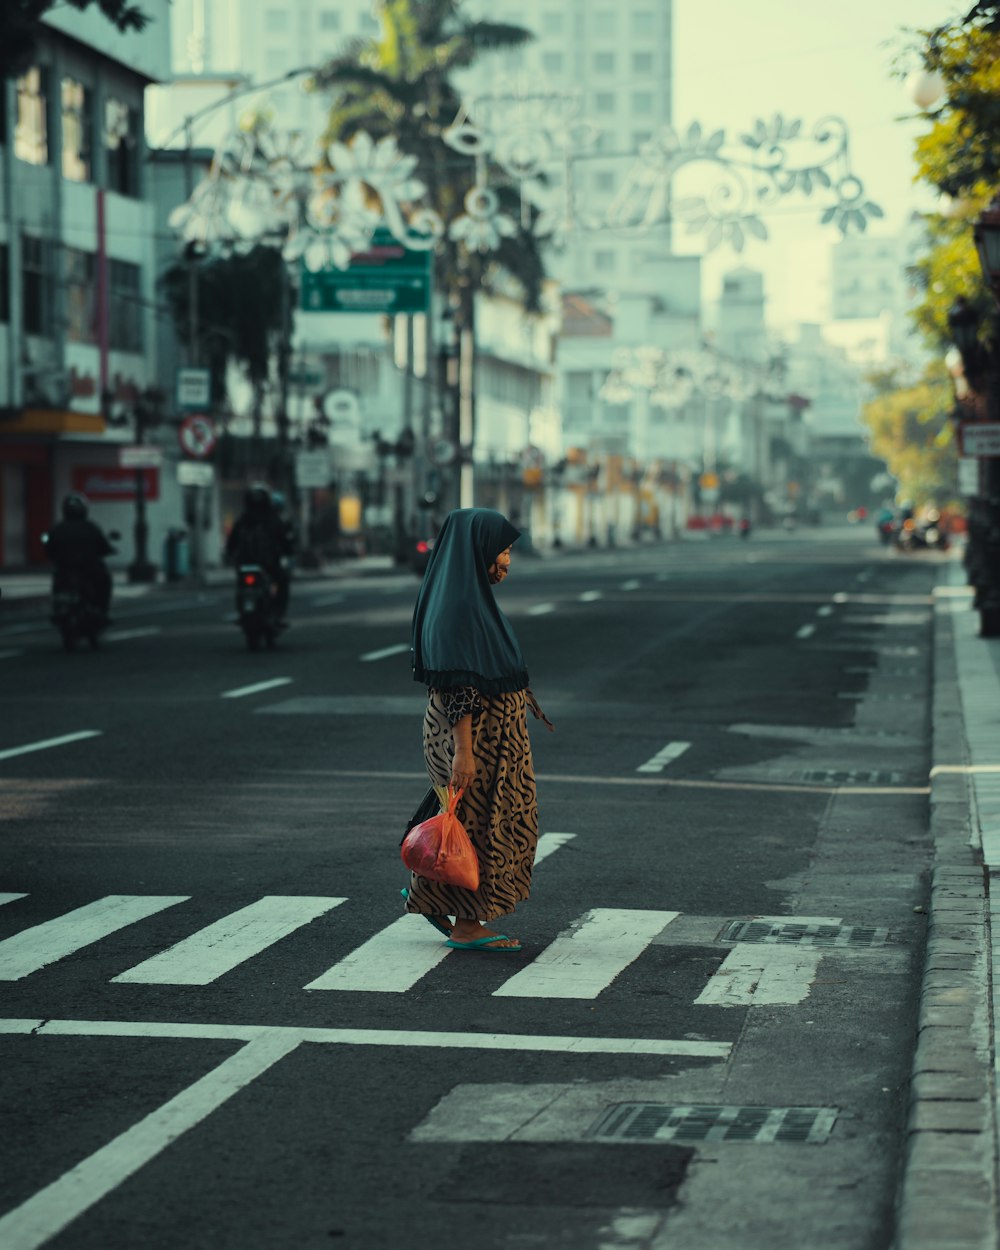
(219, 1030)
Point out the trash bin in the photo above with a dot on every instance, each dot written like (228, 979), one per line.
(175, 555)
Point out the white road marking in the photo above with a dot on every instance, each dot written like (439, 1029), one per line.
(662, 758)
(541, 609)
(393, 961)
(45, 743)
(591, 596)
(46, 943)
(10, 655)
(548, 843)
(545, 1043)
(49, 1211)
(840, 597)
(826, 610)
(242, 691)
(229, 942)
(806, 631)
(328, 601)
(123, 635)
(631, 584)
(663, 577)
(12, 898)
(370, 656)
(754, 974)
(587, 957)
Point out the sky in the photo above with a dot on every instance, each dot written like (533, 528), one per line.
(737, 60)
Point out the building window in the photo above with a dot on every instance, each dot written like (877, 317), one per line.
(4, 284)
(368, 24)
(125, 312)
(604, 23)
(34, 285)
(604, 62)
(80, 271)
(639, 137)
(604, 102)
(276, 21)
(642, 101)
(31, 130)
(552, 23)
(552, 62)
(329, 19)
(604, 261)
(643, 24)
(77, 125)
(642, 62)
(120, 142)
(604, 180)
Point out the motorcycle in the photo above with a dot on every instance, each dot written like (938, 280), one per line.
(76, 610)
(256, 606)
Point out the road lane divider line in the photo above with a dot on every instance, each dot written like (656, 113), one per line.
(46, 943)
(10, 898)
(825, 610)
(370, 656)
(46, 743)
(123, 635)
(53, 1208)
(586, 958)
(805, 631)
(753, 974)
(631, 584)
(328, 601)
(661, 759)
(258, 687)
(840, 597)
(396, 1038)
(218, 948)
(591, 596)
(541, 609)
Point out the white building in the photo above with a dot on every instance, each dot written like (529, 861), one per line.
(77, 277)
(870, 282)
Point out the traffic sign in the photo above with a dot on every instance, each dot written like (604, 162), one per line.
(980, 438)
(388, 278)
(312, 469)
(140, 457)
(194, 473)
(196, 435)
(194, 389)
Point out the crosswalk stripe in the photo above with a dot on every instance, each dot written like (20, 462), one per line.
(756, 974)
(44, 745)
(586, 958)
(383, 653)
(392, 961)
(550, 842)
(10, 898)
(222, 946)
(662, 758)
(258, 687)
(541, 609)
(43, 944)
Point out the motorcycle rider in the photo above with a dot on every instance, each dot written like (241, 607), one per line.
(77, 547)
(260, 536)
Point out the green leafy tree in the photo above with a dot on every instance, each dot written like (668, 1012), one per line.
(21, 25)
(400, 83)
(910, 430)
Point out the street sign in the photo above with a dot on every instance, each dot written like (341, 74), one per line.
(194, 389)
(968, 475)
(195, 473)
(980, 438)
(196, 435)
(312, 469)
(388, 278)
(140, 457)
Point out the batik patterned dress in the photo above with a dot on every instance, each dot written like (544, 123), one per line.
(499, 810)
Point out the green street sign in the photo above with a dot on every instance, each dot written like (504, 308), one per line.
(388, 278)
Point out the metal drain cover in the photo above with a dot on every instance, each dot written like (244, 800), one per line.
(852, 777)
(792, 934)
(652, 1121)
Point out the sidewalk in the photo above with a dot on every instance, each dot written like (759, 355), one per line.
(949, 1191)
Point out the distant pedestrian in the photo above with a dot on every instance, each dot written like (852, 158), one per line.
(475, 725)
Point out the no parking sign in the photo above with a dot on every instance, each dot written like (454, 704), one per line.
(197, 436)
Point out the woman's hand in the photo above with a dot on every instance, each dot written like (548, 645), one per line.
(463, 769)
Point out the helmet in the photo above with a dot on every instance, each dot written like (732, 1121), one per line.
(74, 508)
(257, 498)
(278, 499)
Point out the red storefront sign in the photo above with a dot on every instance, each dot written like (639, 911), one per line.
(106, 483)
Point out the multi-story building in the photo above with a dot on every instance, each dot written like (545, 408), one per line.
(77, 298)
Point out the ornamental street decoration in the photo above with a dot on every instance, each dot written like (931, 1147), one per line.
(263, 187)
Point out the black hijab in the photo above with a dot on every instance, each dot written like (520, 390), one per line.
(460, 636)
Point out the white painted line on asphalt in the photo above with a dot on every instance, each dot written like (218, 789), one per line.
(631, 584)
(663, 577)
(544, 1043)
(753, 974)
(370, 656)
(218, 948)
(826, 610)
(541, 609)
(391, 962)
(49, 1211)
(587, 957)
(45, 743)
(328, 601)
(123, 635)
(662, 758)
(52, 940)
(548, 843)
(10, 655)
(242, 691)
(806, 631)
(12, 898)
(840, 597)
(591, 596)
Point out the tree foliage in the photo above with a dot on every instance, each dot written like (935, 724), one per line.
(400, 83)
(21, 24)
(910, 431)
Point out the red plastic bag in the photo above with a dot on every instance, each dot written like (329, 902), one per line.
(440, 849)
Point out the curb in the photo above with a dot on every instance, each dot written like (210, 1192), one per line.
(948, 1191)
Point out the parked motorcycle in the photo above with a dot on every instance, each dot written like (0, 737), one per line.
(257, 606)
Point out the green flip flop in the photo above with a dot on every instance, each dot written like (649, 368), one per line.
(434, 920)
(485, 944)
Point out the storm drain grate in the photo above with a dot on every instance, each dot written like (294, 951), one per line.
(852, 777)
(792, 934)
(651, 1121)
